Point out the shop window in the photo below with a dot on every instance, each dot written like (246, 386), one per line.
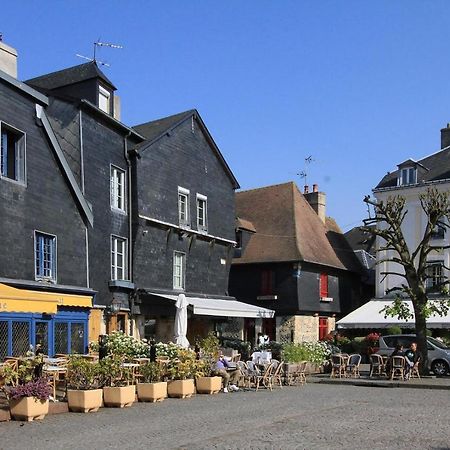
(3, 339)
(149, 328)
(20, 338)
(41, 336)
(61, 337)
(77, 338)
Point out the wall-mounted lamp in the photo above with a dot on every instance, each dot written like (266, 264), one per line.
(115, 305)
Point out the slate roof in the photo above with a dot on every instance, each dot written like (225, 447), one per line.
(288, 229)
(69, 76)
(158, 128)
(152, 130)
(434, 167)
(360, 240)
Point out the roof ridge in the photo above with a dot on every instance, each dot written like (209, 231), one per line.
(294, 211)
(266, 187)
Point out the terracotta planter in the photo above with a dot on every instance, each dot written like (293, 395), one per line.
(119, 397)
(181, 388)
(84, 401)
(152, 392)
(208, 385)
(28, 408)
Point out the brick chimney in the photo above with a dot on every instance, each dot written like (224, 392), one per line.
(318, 201)
(445, 136)
(8, 59)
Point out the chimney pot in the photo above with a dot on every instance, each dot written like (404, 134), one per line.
(8, 59)
(315, 188)
(306, 189)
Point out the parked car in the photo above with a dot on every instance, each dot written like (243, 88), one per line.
(438, 353)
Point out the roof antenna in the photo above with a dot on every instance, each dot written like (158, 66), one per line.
(303, 174)
(99, 44)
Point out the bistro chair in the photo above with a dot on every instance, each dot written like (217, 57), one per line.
(397, 367)
(278, 373)
(352, 366)
(265, 379)
(377, 366)
(246, 376)
(337, 366)
(414, 371)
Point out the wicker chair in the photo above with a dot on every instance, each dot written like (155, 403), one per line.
(397, 367)
(337, 366)
(352, 366)
(376, 365)
(278, 373)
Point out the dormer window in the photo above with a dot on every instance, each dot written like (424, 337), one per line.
(104, 99)
(407, 175)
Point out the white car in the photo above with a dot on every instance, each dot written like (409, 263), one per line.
(438, 353)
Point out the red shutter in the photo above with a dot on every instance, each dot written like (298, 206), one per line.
(323, 285)
(266, 282)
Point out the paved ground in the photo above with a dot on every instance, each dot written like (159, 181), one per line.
(315, 416)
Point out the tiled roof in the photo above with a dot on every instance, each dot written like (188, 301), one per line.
(69, 76)
(243, 224)
(434, 167)
(288, 229)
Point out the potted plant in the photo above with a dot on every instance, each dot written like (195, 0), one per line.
(84, 393)
(205, 383)
(181, 372)
(153, 387)
(29, 401)
(117, 390)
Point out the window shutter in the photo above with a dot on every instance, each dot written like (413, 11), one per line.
(323, 285)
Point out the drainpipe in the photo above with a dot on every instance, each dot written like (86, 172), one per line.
(130, 224)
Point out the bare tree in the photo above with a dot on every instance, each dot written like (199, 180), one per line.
(414, 264)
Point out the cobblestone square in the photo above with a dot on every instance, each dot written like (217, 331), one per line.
(309, 417)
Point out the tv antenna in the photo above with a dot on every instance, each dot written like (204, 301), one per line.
(303, 174)
(97, 44)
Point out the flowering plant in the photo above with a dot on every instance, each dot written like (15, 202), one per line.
(314, 352)
(39, 389)
(184, 366)
(118, 343)
(171, 350)
(372, 339)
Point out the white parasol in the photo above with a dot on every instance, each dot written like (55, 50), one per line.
(180, 328)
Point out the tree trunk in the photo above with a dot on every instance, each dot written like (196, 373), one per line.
(421, 333)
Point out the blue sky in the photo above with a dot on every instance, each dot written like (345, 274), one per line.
(359, 85)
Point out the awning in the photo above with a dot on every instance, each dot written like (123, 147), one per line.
(369, 316)
(222, 308)
(24, 300)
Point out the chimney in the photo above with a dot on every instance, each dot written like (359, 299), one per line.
(8, 59)
(117, 107)
(306, 189)
(318, 201)
(445, 136)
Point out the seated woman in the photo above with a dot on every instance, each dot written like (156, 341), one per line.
(397, 352)
(220, 370)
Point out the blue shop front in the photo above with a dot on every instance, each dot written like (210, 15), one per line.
(55, 320)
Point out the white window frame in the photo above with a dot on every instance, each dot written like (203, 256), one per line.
(118, 190)
(114, 267)
(438, 276)
(179, 280)
(54, 261)
(405, 176)
(21, 175)
(202, 198)
(105, 94)
(183, 192)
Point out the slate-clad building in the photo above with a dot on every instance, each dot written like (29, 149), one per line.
(43, 218)
(110, 224)
(293, 259)
(184, 229)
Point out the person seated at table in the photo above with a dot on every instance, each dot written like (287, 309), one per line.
(412, 356)
(397, 352)
(220, 370)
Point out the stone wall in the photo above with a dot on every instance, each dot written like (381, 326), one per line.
(299, 328)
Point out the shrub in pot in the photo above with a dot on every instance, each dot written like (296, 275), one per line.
(116, 379)
(204, 381)
(181, 372)
(84, 393)
(153, 387)
(29, 401)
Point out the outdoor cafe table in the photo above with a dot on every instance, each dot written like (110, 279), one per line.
(134, 367)
(54, 372)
